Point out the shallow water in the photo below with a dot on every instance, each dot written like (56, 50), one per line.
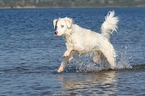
(30, 54)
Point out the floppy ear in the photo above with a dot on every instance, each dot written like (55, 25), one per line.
(55, 23)
(68, 21)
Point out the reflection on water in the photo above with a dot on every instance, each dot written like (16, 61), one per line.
(102, 83)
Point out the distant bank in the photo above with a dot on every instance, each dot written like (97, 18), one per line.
(70, 3)
(33, 7)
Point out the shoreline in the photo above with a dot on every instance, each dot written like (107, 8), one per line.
(55, 7)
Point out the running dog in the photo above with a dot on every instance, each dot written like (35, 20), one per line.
(82, 41)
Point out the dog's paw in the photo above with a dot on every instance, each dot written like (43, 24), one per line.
(66, 54)
(59, 70)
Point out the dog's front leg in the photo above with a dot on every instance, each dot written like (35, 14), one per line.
(63, 64)
(67, 52)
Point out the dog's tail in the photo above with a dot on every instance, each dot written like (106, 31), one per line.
(109, 25)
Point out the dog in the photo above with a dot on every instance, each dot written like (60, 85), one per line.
(83, 41)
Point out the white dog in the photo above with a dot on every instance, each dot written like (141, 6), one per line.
(80, 40)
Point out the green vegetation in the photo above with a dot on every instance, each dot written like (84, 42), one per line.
(70, 3)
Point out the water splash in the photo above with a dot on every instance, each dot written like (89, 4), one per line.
(123, 60)
(85, 63)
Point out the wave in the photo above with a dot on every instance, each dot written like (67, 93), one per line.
(84, 67)
(29, 69)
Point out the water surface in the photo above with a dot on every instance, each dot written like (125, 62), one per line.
(30, 54)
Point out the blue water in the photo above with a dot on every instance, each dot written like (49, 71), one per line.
(30, 54)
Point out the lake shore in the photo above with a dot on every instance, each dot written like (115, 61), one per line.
(33, 7)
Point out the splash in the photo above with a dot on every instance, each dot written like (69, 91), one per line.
(85, 63)
(123, 60)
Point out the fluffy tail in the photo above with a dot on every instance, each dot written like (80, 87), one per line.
(109, 25)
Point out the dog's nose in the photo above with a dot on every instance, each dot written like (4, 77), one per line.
(56, 32)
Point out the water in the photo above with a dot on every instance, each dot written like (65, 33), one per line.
(30, 54)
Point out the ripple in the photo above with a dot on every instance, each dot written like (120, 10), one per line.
(28, 70)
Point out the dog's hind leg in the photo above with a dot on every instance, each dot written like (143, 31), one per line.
(111, 58)
(97, 57)
(63, 63)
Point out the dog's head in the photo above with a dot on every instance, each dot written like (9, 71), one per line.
(62, 25)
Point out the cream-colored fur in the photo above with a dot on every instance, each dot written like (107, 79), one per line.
(82, 41)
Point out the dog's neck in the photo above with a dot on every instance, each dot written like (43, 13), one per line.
(68, 35)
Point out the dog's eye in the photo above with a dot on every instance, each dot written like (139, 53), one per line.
(62, 26)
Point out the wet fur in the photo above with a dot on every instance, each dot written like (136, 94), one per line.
(82, 41)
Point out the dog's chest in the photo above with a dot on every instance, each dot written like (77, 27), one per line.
(70, 42)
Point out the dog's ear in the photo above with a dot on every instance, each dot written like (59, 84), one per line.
(55, 23)
(68, 21)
